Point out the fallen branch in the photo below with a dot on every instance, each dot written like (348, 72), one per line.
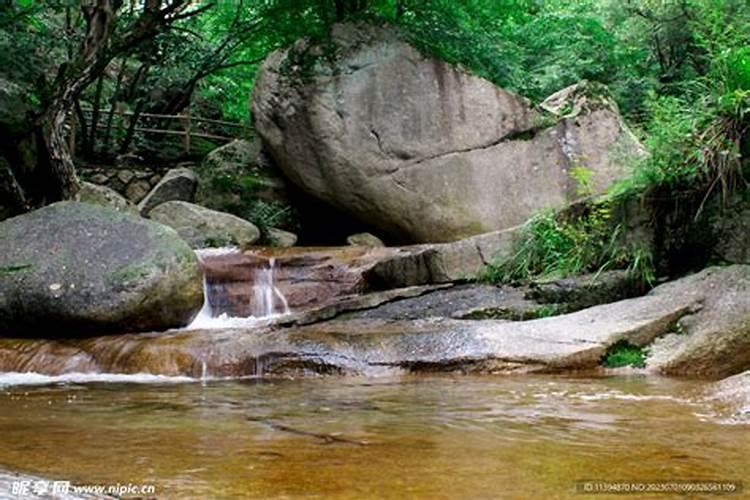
(326, 438)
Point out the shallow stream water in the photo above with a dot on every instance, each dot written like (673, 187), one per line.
(426, 436)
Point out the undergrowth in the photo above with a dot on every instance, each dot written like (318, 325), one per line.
(551, 245)
(698, 144)
(624, 353)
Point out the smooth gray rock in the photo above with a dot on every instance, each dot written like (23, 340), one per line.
(74, 269)
(714, 342)
(364, 240)
(105, 197)
(279, 238)
(421, 149)
(204, 228)
(732, 398)
(578, 292)
(370, 346)
(178, 184)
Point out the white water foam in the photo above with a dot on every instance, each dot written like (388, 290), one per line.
(33, 378)
(215, 252)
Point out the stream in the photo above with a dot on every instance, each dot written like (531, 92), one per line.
(430, 436)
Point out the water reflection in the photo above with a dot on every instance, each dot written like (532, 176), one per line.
(434, 437)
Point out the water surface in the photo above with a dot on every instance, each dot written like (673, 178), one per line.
(434, 437)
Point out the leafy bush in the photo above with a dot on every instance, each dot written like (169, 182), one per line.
(623, 353)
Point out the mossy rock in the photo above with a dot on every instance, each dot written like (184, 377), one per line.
(74, 269)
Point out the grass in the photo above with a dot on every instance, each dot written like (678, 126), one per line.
(554, 246)
(622, 354)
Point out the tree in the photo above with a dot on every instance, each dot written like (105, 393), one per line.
(102, 40)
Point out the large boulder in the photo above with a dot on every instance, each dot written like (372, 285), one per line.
(103, 196)
(205, 228)
(421, 149)
(715, 341)
(178, 184)
(75, 269)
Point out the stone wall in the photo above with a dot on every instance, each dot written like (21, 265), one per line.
(132, 181)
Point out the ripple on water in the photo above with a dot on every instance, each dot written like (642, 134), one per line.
(431, 436)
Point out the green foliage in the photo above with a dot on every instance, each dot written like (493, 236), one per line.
(267, 213)
(547, 311)
(552, 246)
(623, 353)
(698, 142)
(584, 178)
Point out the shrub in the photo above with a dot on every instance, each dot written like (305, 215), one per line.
(623, 353)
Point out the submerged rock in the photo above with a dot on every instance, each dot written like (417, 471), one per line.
(73, 269)
(204, 228)
(178, 184)
(421, 149)
(732, 397)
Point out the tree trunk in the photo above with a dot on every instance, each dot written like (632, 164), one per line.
(95, 114)
(54, 145)
(83, 125)
(130, 134)
(113, 104)
(12, 195)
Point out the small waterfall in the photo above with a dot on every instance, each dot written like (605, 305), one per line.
(268, 299)
(221, 311)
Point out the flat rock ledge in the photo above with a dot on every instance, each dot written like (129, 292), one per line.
(371, 346)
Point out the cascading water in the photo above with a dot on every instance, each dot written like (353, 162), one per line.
(268, 298)
(220, 311)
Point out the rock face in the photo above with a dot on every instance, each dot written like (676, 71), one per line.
(421, 149)
(714, 342)
(178, 184)
(367, 346)
(732, 232)
(204, 228)
(103, 196)
(65, 270)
